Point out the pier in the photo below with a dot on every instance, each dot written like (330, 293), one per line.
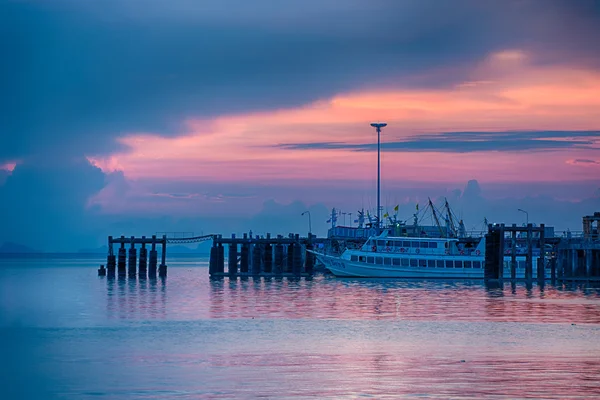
(578, 258)
(125, 262)
(263, 256)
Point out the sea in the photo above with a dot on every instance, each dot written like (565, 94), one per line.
(66, 333)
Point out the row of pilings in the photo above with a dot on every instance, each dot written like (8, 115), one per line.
(501, 242)
(566, 259)
(262, 256)
(125, 262)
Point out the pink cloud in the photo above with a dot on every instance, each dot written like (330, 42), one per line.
(8, 166)
(506, 91)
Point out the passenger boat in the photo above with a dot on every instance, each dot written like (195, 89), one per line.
(386, 256)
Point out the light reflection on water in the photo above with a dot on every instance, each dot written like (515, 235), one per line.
(187, 336)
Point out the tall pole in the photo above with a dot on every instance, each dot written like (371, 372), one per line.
(309, 221)
(526, 215)
(378, 127)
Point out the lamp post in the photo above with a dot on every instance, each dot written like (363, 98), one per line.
(378, 127)
(526, 215)
(309, 222)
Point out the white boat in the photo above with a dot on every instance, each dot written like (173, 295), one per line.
(384, 256)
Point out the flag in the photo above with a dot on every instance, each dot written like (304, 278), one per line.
(396, 208)
(328, 221)
(385, 215)
(356, 221)
(417, 206)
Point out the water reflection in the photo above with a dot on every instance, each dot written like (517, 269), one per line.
(130, 298)
(326, 298)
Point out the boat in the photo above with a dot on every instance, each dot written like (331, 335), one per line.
(385, 256)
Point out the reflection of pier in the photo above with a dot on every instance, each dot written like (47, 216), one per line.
(270, 256)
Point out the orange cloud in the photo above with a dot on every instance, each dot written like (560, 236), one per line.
(506, 91)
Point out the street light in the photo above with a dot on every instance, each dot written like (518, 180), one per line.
(378, 127)
(526, 215)
(309, 222)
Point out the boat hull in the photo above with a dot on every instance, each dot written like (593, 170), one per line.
(341, 267)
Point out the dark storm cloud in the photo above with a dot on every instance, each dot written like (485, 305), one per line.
(465, 142)
(76, 74)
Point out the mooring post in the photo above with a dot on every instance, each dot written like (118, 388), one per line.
(541, 262)
(212, 261)
(162, 270)
(122, 260)
(153, 258)
(278, 270)
(111, 262)
(132, 258)
(232, 264)
(513, 253)
(553, 270)
(257, 256)
(143, 259)
(244, 255)
(221, 256)
(529, 258)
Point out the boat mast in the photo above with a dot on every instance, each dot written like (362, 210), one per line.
(450, 219)
(435, 217)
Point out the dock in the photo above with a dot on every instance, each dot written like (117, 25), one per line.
(263, 256)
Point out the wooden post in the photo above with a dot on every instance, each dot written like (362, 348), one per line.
(513, 253)
(122, 259)
(529, 258)
(143, 259)
(232, 265)
(153, 261)
(541, 262)
(132, 258)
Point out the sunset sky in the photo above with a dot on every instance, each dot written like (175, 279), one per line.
(223, 116)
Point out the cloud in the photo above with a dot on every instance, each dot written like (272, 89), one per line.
(44, 205)
(466, 142)
(79, 74)
(583, 161)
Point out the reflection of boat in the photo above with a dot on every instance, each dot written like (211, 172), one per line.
(386, 256)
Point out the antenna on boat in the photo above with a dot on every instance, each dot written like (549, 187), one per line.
(378, 126)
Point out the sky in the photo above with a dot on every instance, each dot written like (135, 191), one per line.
(227, 116)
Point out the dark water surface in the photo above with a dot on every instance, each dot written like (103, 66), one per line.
(69, 334)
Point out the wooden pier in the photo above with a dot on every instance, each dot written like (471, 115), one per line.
(579, 258)
(125, 263)
(496, 250)
(268, 256)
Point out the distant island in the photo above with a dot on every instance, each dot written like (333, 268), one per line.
(9, 247)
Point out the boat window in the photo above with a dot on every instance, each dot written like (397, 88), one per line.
(405, 262)
(424, 245)
(476, 264)
(440, 263)
(449, 263)
(396, 261)
(387, 261)
(370, 260)
(422, 263)
(405, 244)
(446, 244)
(468, 264)
(521, 264)
(413, 262)
(433, 245)
(389, 243)
(381, 243)
(415, 244)
(457, 264)
(431, 263)
(353, 258)
(362, 259)
(378, 260)
(397, 244)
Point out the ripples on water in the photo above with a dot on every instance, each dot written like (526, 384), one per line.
(70, 334)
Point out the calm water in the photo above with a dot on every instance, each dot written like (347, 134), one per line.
(69, 334)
